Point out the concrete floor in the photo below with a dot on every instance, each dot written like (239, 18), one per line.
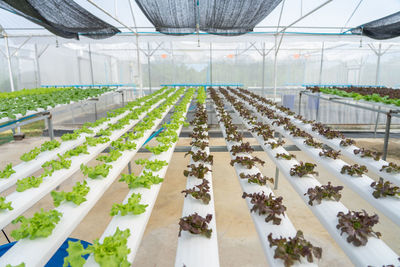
(237, 239)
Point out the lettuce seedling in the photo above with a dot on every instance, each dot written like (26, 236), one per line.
(113, 155)
(354, 170)
(50, 145)
(284, 156)
(247, 162)
(7, 172)
(200, 191)
(147, 179)
(327, 192)
(133, 206)
(69, 136)
(94, 141)
(358, 226)
(291, 250)
(195, 224)
(329, 153)
(112, 252)
(384, 189)
(28, 156)
(5, 205)
(368, 153)
(270, 206)
(154, 165)
(242, 148)
(276, 144)
(29, 182)
(303, 169)
(77, 195)
(96, 171)
(347, 142)
(198, 171)
(82, 149)
(40, 225)
(391, 168)
(200, 156)
(256, 178)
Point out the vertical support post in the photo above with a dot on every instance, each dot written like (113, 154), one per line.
(129, 164)
(38, 78)
(211, 79)
(91, 65)
(50, 126)
(148, 65)
(263, 72)
(139, 66)
(276, 180)
(377, 82)
(387, 134)
(79, 70)
(300, 94)
(173, 64)
(321, 64)
(10, 74)
(95, 111)
(275, 66)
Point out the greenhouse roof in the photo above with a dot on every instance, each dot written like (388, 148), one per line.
(330, 23)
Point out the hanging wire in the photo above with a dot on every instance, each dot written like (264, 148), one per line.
(351, 16)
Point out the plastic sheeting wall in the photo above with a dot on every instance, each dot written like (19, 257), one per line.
(184, 62)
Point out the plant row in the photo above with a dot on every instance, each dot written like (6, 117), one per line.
(201, 170)
(289, 249)
(64, 161)
(373, 94)
(20, 102)
(352, 175)
(148, 178)
(357, 225)
(95, 133)
(113, 249)
(322, 130)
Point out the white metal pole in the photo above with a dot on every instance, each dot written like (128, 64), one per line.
(378, 65)
(211, 79)
(91, 65)
(263, 71)
(10, 73)
(321, 64)
(38, 78)
(148, 65)
(139, 66)
(275, 66)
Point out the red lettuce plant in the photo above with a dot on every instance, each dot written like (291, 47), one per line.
(270, 206)
(358, 226)
(292, 249)
(195, 224)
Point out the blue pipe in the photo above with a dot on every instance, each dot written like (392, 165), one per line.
(15, 121)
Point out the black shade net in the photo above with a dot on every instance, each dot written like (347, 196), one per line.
(63, 18)
(223, 17)
(384, 28)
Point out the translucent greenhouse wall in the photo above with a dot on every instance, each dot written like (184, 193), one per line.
(298, 63)
(184, 62)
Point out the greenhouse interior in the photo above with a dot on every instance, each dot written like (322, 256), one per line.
(200, 133)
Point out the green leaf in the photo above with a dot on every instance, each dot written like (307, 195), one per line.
(96, 171)
(29, 182)
(147, 179)
(40, 225)
(133, 206)
(5, 205)
(75, 252)
(77, 195)
(7, 172)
